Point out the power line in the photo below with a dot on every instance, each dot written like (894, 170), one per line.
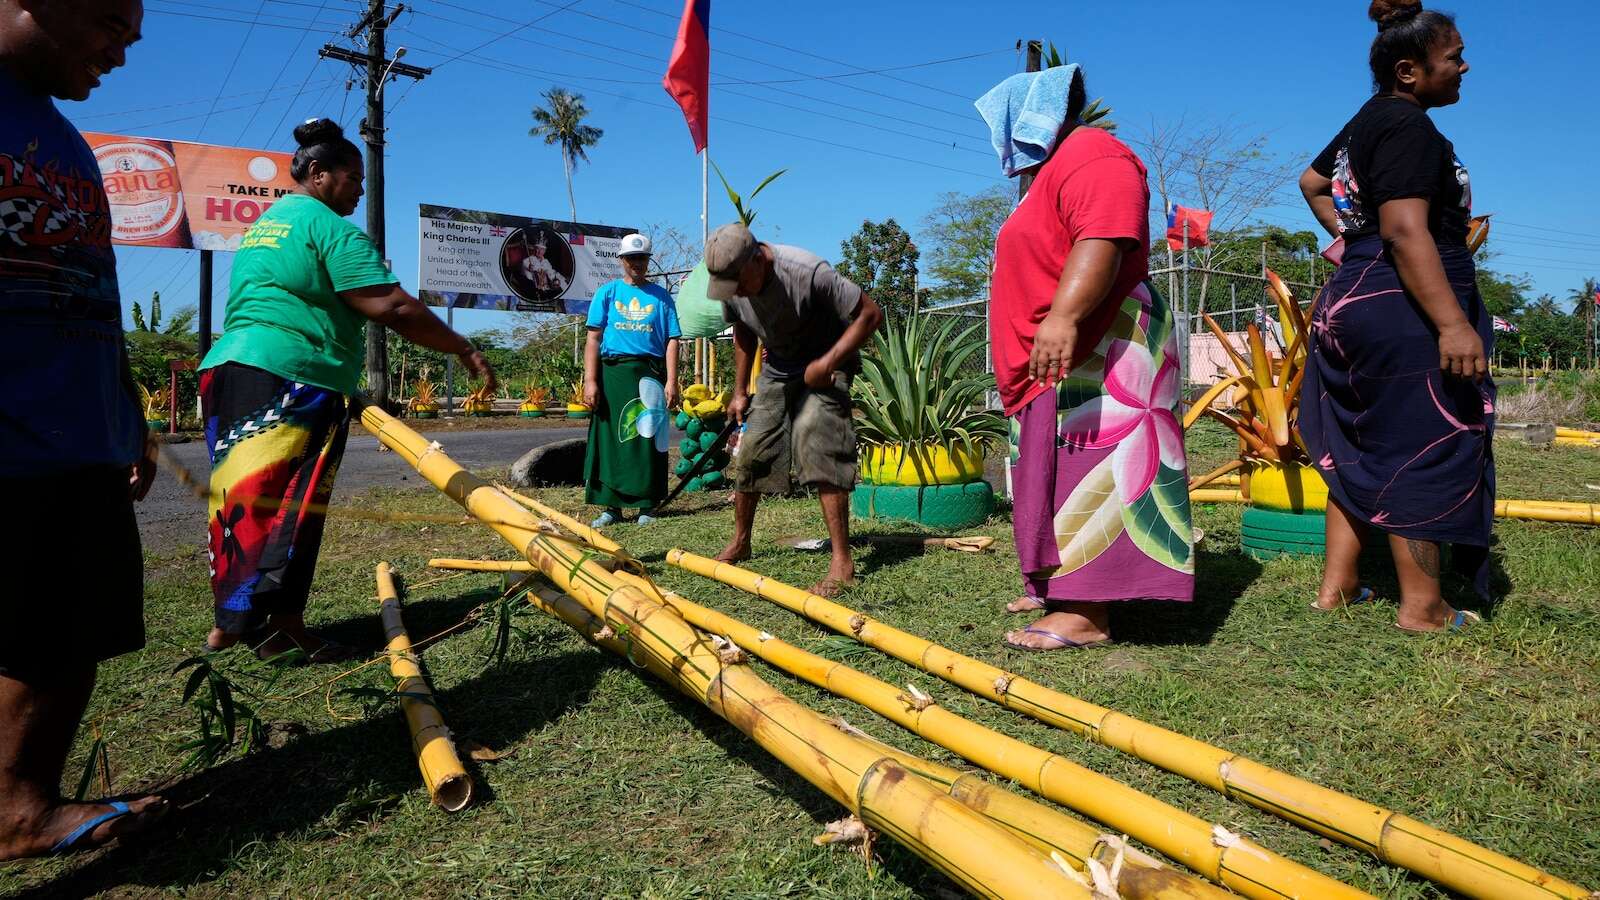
(142, 109)
(528, 24)
(187, 15)
(299, 41)
(278, 127)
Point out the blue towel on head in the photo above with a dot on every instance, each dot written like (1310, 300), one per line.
(1025, 114)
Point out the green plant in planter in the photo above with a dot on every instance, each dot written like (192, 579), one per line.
(917, 402)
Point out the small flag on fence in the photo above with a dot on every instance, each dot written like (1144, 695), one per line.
(688, 77)
(1502, 325)
(1198, 221)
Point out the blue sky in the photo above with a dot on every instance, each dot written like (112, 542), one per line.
(866, 146)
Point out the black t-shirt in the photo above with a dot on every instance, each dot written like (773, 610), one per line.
(1392, 151)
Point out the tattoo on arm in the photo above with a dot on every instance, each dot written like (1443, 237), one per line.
(1426, 555)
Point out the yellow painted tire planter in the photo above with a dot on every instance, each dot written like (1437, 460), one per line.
(889, 466)
(1288, 487)
(577, 411)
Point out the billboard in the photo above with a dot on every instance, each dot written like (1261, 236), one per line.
(469, 259)
(191, 196)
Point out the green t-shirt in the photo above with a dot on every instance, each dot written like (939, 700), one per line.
(284, 314)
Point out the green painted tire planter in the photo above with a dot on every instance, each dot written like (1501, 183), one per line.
(577, 415)
(943, 506)
(156, 424)
(1270, 533)
(425, 414)
(531, 413)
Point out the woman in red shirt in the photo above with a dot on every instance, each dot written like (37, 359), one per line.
(1085, 358)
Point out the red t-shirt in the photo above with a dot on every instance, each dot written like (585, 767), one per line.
(1092, 187)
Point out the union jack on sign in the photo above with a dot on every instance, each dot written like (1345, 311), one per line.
(497, 231)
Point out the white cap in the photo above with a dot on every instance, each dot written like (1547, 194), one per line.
(634, 245)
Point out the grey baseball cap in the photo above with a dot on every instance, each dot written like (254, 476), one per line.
(727, 250)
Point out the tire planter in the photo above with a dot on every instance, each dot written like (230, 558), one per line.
(156, 424)
(577, 411)
(942, 506)
(531, 413)
(1270, 533)
(888, 465)
(1291, 487)
(424, 414)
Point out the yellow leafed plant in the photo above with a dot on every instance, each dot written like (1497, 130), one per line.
(155, 403)
(535, 398)
(478, 403)
(422, 397)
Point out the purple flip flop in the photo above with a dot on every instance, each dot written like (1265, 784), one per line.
(1062, 643)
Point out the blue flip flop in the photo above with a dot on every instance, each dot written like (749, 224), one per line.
(1062, 643)
(1463, 618)
(68, 843)
(1364, 594)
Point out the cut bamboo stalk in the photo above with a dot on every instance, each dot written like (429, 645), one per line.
(1533, 510)
(482, 565)
(1437, 855)
(1577, 433)
(973, 851)
(448, 783)
(1246, 867)
(565, 521)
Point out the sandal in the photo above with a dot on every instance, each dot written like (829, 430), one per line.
(1033, 604)
(1064, 643)
(72, 843)
(1460, 619)
(1364, 594)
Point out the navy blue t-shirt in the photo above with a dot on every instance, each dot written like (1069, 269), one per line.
(63, 404)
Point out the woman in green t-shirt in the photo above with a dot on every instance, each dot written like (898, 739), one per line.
(273, 391)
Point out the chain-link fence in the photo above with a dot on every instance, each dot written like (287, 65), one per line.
(1234, 300)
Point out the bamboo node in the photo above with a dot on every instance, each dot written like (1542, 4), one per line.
(858, 622)
(1100, 881)
(763, 637)
(915, 699)
(728, 653)
(1002, 685)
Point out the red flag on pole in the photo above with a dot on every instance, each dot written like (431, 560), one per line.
(1199, 221)
(688, 77)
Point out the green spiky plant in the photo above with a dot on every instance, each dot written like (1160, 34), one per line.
(1096, 113)
(746, 216)
(913, 394)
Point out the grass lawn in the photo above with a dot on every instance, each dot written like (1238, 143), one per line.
(611, 785)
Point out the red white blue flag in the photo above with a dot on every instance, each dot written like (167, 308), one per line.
(688, 77)
(1198, 223)
(1503, 325)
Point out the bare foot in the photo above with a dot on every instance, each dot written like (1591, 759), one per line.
(1331, 597)
(734, 553)
(1024, 604)
(1440, 618)
(828, 588)
(1061, 629)
(42, 835)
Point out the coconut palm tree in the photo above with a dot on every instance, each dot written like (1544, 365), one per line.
(560, 123)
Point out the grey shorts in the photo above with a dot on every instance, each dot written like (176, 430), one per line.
(791, 426)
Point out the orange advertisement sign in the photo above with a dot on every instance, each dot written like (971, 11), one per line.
(178, 194)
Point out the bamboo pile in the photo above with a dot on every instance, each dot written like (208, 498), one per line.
(972, 850)
(1400, 840)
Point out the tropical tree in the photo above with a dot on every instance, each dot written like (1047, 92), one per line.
(560, 124)
(882, 259)
(960, 233)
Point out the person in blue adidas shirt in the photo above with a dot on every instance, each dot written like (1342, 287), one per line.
(630, 381)
(74, 451)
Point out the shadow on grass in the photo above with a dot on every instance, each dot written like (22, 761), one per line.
(347, 773)
(1222, 578)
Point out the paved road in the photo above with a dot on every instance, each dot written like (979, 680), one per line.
(171, 519)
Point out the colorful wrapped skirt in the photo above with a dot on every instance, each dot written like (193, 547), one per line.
(625, 462)
(275, 448)
(1403, 446)
(1100, 482)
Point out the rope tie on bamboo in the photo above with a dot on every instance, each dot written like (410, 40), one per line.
(1002, 685)
(915, 699)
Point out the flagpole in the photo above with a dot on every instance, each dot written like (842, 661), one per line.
(701, 357)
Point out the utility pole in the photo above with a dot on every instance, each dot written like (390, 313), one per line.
(378, 69)
(1035, 62)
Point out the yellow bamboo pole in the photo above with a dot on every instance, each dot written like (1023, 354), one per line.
(1573, 513)
(1578, 433)
(569, 523)
(973, 851)
(1246, 867)
(1442, 857)
(448, 783)
(1593, 443)
(482, 565)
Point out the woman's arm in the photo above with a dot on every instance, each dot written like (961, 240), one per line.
(390, 306)
(1318, 191)
(673, 394)
(591, 368)
(1086, 280)
(1403, 224)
